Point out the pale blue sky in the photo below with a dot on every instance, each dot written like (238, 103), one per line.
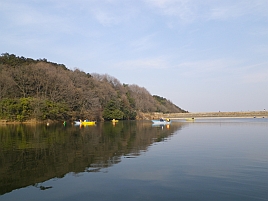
(208, 55)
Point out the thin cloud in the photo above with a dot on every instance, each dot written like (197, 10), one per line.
(256, 73)
(238, 9)
(106, 18)
(260, 31)
(31, 18)
(184, 10)
(188, 11)
(25, 15)
(143, 43)
(221, 70)
(151, 63)
(112, 12)
(214, 69)
(256, 77)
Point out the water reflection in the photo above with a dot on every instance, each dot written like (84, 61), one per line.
(33, 154)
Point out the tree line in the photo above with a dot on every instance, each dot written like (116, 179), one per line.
(43, 90)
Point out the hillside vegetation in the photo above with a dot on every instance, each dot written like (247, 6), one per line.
(43, 90)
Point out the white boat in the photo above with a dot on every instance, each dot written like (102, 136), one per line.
(161, 122)
(77, 123)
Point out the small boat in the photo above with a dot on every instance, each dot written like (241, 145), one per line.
(88, 123)
(114, 121)
(84, 123)
(77, 123)
(190, 119)
(161, 122)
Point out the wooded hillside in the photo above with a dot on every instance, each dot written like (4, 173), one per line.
(41, 90)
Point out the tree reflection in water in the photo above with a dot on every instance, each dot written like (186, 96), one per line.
(31, 154)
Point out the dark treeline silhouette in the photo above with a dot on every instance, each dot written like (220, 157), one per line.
(43, 90)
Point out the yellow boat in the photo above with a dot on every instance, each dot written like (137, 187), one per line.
(189, 119)
(88, 123)
(114, 120)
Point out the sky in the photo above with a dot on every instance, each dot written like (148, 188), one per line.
(204, 56)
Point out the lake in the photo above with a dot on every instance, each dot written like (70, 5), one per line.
(209, 159)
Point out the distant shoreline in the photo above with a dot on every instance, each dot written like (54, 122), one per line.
(195, 115)
(249, 114)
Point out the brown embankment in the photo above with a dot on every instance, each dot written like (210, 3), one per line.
(249, 114)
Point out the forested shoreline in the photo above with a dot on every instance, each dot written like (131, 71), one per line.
(42, 90)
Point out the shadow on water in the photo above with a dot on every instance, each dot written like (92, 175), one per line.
(31, 154)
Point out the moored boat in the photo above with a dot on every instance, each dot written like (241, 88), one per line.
(190, 119)
(161, 122)
(84, 123)
(88, 123)
(77, 123)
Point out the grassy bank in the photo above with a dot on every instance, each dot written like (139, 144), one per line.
(249, 114)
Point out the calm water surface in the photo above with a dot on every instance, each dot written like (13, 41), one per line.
(223, 159)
